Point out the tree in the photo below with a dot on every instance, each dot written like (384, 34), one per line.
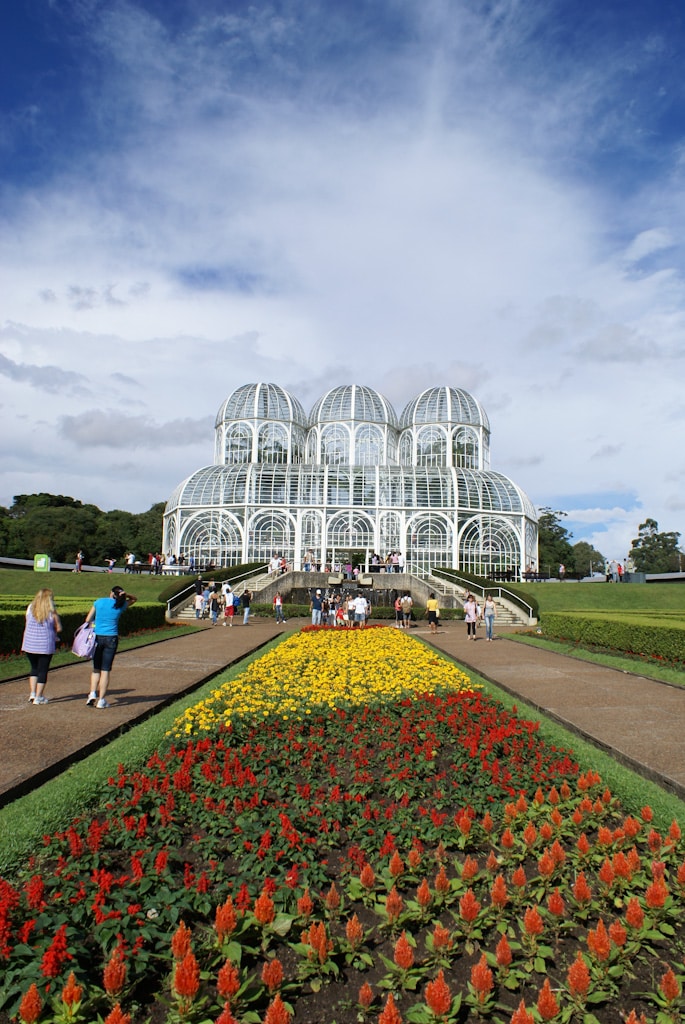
(586, 559)
(652, 551)
(554, 548)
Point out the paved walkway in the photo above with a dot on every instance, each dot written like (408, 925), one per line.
(640, 721)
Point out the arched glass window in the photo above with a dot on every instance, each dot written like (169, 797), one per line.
(489, 545)
(350, 530)
(335, 445)
(238, 446)
(431, 447)
(270, 533)
(465, 448)
(429, 543)
(213, 538)
(406, 452)
(273, 443)
(368, 445)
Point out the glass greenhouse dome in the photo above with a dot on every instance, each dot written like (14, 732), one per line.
(352, 475)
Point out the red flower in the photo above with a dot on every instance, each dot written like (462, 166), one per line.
(228, 980)
(332, 898)
(503, 952)
(396, 865)
(403, 954)
(441, 938)
(482, 978)
(305, 906)
(633, 1018)
(548, 1007)
(635, 916)
(367, 877)
(71, 993)
(555, 904)
(656, 894)
(225, 920)
(272, 974)
(532, 922)
(56, 955)
(519, 878)
(578, 976)
(187, 977)
(424, 894)
(646, 814)
(317, 939)
(390, 1014)
(618, 934)
(581, 890)
(599, 942)
(442, 882)
(226, 1017)
(438, 996)
(30, 1006)
(469, 868)
(499, 897)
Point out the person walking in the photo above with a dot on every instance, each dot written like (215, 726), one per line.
(407, 605)
(432, 613)
(245, 601)
(40, 638)
(489, 609)
(278, 606)
(105, 615)
(471, 616)
(316, 607)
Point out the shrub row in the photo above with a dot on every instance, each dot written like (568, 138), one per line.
(140, 616)
(663, 642)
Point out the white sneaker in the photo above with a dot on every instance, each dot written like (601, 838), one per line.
(40, 700)
(92, 697)
(102, 703)
(32, 697)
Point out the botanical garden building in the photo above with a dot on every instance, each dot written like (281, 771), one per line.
(352, 475)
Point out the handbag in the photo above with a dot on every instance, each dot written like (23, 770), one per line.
(84, 641)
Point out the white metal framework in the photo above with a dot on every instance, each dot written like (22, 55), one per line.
(352, 475)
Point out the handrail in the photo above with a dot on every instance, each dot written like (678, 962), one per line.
(180, 597)
(470, 585)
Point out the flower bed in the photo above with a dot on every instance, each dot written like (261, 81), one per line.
(350, 832)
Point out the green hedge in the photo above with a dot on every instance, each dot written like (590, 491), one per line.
(652, 641)
(218, 575)
(140, 616)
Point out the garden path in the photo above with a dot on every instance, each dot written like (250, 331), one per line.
(638, 720)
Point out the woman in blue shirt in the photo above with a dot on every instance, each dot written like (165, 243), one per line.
(105, 613)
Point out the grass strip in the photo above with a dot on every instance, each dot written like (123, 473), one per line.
(622, 663)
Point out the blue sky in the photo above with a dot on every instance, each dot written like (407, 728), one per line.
(199, 195)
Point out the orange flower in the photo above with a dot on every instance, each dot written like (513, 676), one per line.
(532, 922)
(618, 934)
(469, 907)
(225, 920)
(396, 865)
(546, 831)
(635, 916)
(272, 974)
(367, 877)
(318, 940)
(264, 908)
(548, 1007)
(441, 938)
(277, 1012)
(582, 845)
(555, 904)
(499, 897)
(621, 866)
(442, 882)
(492, 864)
(438, 996)
(333, 898)
(487, 823)
(469, 868)
(482, 978)
(394, 905)
(228, 980)
(187, 977)
(414, 858)
(30, 1006)
(581, 890)
(114, 975)
(546, 864)
(365, 996)
(305, 907)
(674, 832)
(519, 878)
(226, 1017)
(424, 895)
(354, 932)
(503, 952)
(521, 1015)
(530, 834)
(403, 954)
(656, 894)
(633, 1018)
(71, 993)
(670, 986)
(598, 941)
(507, 839)
(578, 976)
(606, 873)
(646, 814)
(180, 941)
(390, 1014)
(117, 1016)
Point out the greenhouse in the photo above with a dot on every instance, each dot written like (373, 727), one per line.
(352, 476)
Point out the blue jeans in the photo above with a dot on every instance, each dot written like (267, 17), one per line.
(105, 649)
(316, 616)
(489, 626)
(246, 615)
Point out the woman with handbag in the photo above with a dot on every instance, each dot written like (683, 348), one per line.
(39, 641)
(105, 613)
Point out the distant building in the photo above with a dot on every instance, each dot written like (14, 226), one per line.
(352, 475)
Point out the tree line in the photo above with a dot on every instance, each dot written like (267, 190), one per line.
(652, 551)
(60, 527)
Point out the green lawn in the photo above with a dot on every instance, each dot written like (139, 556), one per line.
(86, 586)
(652, 598)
